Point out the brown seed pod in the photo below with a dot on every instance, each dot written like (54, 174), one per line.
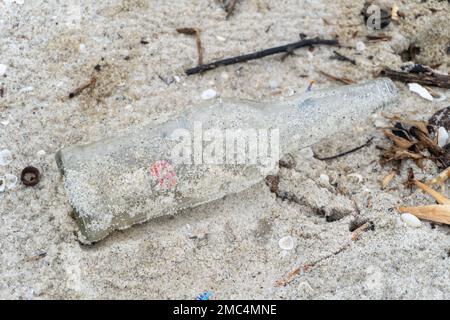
(30, 176)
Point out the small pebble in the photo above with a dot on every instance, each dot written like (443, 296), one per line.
(5, 157)
(411, 220)
(442, 137)
(360, 46)
(306, 153)
(11, 181)
(324, 180)
(273, 84)
(380, 123)
(3, 69)
(209, 94)
(41, 153)
(286, 243)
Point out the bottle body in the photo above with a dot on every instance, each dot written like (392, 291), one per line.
(203, 155)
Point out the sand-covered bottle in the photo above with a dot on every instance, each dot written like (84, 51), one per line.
(214, 150)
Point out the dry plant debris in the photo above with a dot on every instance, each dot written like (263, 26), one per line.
(425, 77)
(416, 140)
(287, 48)
(309, 266)
(198, 41)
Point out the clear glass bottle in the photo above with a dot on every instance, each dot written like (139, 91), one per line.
(216, 149)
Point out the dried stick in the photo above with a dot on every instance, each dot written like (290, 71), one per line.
(307, 267)
(441, 199)
(79, 90)
(261, 54)
(230, 7)
(437, 80)
(346, 152)
(198, 41)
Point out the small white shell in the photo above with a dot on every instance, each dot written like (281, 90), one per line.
(41, 153)
(209, 94)
(360, 46)
(5, 157)
(442, 136)
(286, 243)
(411, 220)
(421, 91)
(324, 180)
(11, 181)
(3, 69)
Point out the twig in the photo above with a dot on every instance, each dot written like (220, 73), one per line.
(229, 7)
(346, 152)
(344, 80)
(381, 37)
(308, 267)
(433, 79)
(198, 41)
(79, 90)
(341, 57)
(261, 54)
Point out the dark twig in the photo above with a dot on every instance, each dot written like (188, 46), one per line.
(433, 79)
(79, 90)
(341, 57)
(229, 7)
(346, 152)
(261, 54)
(198, 41)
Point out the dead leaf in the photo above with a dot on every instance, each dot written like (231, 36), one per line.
(386, 180)
(438, 213)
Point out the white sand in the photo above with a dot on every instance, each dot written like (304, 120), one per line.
(229, 247)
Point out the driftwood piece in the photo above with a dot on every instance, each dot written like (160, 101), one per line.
(428, 79)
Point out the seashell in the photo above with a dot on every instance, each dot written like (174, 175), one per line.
(209, 94)
(41, 153)
(5, 157)
(421, 91)
(286, 243)
(360, 46)
(411, 220)
(356, 177)
(442, 136)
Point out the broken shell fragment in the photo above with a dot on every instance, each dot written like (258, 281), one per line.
(421, 91)
(411, 220)
(5, 157)
(286, 243)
